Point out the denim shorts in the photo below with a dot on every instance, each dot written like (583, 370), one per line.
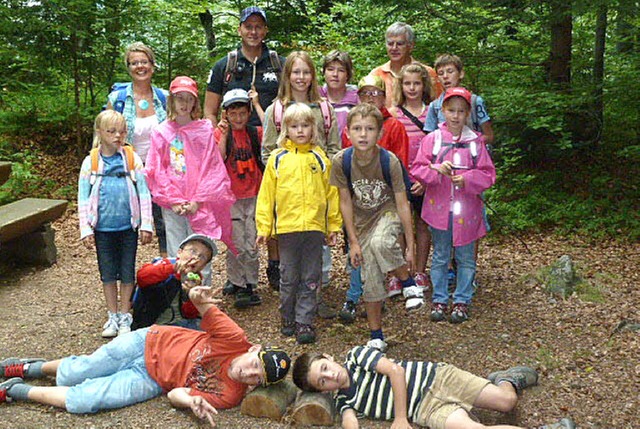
(117, 255)
(113, 376)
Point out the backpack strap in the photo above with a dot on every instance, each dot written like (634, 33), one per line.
(275, 61)
(417, 122)
(129, 163)
(121, 99)
(161, 97)
(347, 156)
(437, 144)
(230, 70)
(325, 108)
(278, 111)
(384, 163)
(255, 146)
(473, 148)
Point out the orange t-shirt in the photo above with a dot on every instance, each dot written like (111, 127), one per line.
(389, 78)
(178, 357)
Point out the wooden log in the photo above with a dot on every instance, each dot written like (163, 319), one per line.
(27, 215)
(313, 409)
(271, 402)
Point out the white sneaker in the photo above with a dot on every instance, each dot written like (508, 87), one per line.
(377, 343)
(110, 329)
(414, 297)
(124, 324)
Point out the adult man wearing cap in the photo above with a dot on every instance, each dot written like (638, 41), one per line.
(203, 371)
(252, 67)
(400, 41)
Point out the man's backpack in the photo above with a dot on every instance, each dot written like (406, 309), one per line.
(122, 88)
(232, 66)
(325, 108)
(150, 302)
(255, 145)
(129, 163)
(347, 157)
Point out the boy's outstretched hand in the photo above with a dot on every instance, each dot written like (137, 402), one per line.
(201, 295)
(203, 410)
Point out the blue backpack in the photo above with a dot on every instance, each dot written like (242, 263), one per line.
(386, 170)
(122, 88)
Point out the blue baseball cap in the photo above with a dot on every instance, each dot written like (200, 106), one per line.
(252, 10)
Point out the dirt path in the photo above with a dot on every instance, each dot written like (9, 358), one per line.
(587, 371)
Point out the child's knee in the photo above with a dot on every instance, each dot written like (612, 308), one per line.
(507, 401)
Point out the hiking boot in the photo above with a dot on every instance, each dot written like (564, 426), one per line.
(565, 423)
(422, 281)
(230, 289)
(111, 327)
(124, 323)
(520, 377)
(414, 297)
(394, 288)
(6, 385)
(348, 312)
(247, 297)
(273, 274)
(377, 343)
(459, 313)
(305, 334)
(438, 312)
(15, 367)
(325, 311)
(288, 328)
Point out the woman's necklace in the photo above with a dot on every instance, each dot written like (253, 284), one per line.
(143, 104)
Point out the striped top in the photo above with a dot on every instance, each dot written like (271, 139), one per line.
(414, 133)
(370, 392)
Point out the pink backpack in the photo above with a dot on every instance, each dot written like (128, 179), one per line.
(325, 108)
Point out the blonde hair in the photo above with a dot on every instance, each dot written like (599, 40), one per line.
(365, 110)
(139, 47)
(196, 112)
(427, 92)
(104, 120)
(284, 90)
(297, 112)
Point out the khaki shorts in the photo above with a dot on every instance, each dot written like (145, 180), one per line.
(452, 388)
(381, 253)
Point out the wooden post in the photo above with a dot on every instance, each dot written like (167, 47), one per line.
(271, 402)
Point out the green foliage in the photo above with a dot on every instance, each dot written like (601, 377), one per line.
(23, 182)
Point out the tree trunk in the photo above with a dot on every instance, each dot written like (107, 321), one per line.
(80, 149)
(271, 402)
(206, 19)
(313, 409)
(598, 64)
(560, 58)
(626, 30)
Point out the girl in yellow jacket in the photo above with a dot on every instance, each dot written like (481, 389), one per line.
(297, 204)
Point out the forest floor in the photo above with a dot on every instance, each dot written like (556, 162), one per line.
(589, 369)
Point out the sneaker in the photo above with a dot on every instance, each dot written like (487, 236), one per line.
(325, 311)
(377, 343)
(394, 288)
(305, 334)
(348, 312)
(459, 313)
(520, 377)
(124, 323)
(438, 312)
(14, 367)
(288, 328)
(422, 281)
(230, 289)
(273, 274)
(247, 297)
(110, 328)
(6, 385)
(565, 423)
(414, 297)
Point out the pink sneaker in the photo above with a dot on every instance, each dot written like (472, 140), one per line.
(394, 288)
(422, 281)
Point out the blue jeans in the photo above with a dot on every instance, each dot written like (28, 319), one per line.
(355, 279)
(442, 246)
(113, 376)
(117, 255)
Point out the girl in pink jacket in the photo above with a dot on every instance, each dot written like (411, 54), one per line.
(186, 173)
(454, 166)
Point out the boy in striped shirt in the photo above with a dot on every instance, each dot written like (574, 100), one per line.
(434, 395)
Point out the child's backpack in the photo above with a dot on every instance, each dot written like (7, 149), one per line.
(232, 66)
(325, 108)
(129, 164)
(438, 144)
(347, 157)
(122, 88)
(150, 302)
(255, 145)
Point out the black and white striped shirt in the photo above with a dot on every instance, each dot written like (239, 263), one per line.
(370, 392)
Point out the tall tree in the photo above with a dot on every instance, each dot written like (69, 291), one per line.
(561, 41)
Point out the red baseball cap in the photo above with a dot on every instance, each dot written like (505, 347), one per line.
(184, 84)
(458, 92)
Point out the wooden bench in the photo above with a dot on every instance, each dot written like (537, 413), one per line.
(5, 171)
(25, 231)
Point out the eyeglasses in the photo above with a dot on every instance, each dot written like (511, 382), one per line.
(143, 63)
(195, 254)
(371, 93)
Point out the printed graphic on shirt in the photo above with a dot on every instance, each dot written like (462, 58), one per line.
(370, 193)
(269, 77)
(205, 374)
(177, 157)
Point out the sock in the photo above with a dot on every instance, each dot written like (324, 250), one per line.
(408, 282)
(377, 334)
(33, 370)
(19, 392)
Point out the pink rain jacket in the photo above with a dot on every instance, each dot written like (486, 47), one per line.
(205, 181)
(441, 197)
